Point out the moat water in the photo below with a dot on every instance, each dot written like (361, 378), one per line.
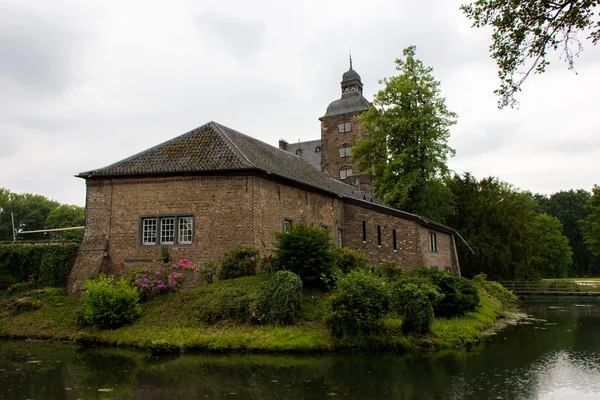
(556, 355)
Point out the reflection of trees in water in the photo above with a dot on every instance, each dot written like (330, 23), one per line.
(511, 366)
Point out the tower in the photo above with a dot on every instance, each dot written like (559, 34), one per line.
(340, 130)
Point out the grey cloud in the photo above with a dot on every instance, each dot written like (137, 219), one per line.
(574, 145)
(489, 138)
(36, 53)
(240, 38)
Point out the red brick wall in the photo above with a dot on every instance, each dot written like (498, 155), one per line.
(444, 257)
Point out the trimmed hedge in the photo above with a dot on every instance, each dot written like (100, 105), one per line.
(42, 265)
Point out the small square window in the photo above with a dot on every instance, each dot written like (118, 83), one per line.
(345, 151)
(345, 172)
(299, 152)
(318, 149)
(345, 127)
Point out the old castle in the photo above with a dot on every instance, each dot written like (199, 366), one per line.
(205, 192)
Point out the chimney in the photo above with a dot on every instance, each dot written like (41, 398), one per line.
(283, 144)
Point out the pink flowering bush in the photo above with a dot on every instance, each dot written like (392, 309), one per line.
(241, 261)
(208, 271)
(161, 278)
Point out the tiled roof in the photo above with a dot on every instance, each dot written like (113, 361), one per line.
(213, 147)
(308, 151)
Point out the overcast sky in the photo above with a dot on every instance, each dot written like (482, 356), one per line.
(86, 83)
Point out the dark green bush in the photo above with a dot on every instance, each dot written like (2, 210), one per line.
(358, 304)
(40, 264)
(390, 271)
(348, 260)
(269, 264)
(108, 304)
(241, 261)
(278, 299)
(460, 295)
(306, 251)
(417, 301)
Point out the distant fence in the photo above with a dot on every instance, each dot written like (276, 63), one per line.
(573, 288)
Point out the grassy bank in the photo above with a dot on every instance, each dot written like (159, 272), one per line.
(207, 319)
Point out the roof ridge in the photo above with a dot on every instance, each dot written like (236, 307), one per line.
(233, 145)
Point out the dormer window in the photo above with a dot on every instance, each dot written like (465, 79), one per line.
(318, 149)
(345, 127)
(299, 152)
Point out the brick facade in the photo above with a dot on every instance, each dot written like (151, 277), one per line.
(233, 210)
(332, 140)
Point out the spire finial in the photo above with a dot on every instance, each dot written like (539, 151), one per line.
(350, 52)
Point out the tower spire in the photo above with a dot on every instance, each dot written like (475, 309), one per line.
(350, 52)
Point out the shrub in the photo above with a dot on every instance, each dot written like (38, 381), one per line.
(357, 305)
(269, 264)
(208, 271)
(160, 278)
(494, 289)
(306, 251)
(417, 300)
(241, 261)
(348, 260)
(390, 271)
(42, 264)
(108, 304)
(460, 295)
(278, 299)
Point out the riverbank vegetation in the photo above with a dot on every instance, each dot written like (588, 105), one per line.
(353, 306)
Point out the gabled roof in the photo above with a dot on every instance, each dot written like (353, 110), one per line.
(213, 148)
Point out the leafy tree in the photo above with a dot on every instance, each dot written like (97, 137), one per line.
(590, 225)
(556, 255)
(66, 216)
(407, 148)
(498, 223)
(524, 31)
(306, 251)
(568, 207)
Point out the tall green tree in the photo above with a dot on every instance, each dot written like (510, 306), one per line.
(555, 253)
(525, 31)
(590, 225)
(66, 216)
(568, 207)
(36, 212)
(498, 223)
(407, 149)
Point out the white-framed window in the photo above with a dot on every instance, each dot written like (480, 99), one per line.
(166, 230)
(345, 127)
(345, 151)
(432, 242)
(149, 231)
(345, 172)
(185, 230)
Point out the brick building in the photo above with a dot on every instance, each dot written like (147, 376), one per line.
(207, 191)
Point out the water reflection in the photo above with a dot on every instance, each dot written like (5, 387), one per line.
(556, 356)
